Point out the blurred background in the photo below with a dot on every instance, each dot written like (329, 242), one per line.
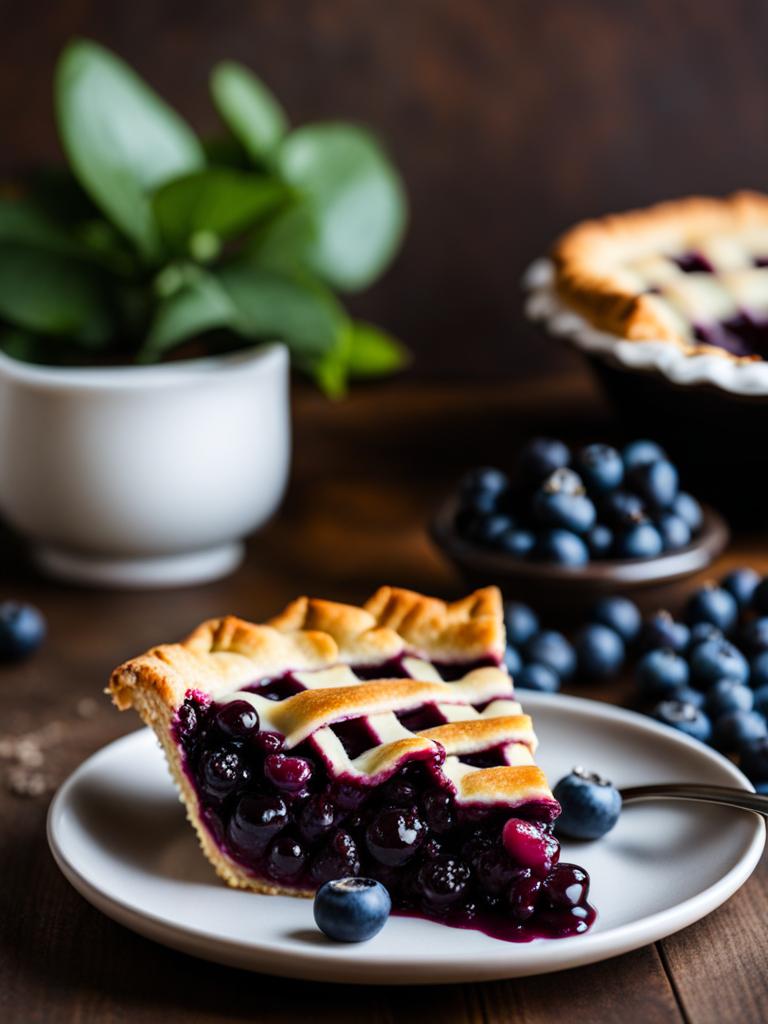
(508, 120)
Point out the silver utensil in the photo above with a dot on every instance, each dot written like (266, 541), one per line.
(725, 795)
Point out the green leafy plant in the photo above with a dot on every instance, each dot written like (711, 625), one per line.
(154, 243)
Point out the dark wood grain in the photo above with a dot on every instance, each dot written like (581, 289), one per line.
(367, 473)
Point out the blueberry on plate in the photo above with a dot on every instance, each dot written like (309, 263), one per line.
(726, 695)
(619, 614)
(512, 660)
(762, 788)
(590, 805)
(741, 583)
(599, 651)
(685, 718)
(561, 502)
(601, 466)
(760, 597)
(621, 508)
(661, 672)
(542, 456)
(562, 547)
(537, 677)
(656, 482)
(516, 541)
(351, 909)
(738, 728)
(641, 540)
(753, 760)
(713, 660)
(714, 605)
(22, 630)
(521, 622)
(551, 648)
(675, 532)
(662, 630)
(599, 540)
(641, 452)
(689, 510)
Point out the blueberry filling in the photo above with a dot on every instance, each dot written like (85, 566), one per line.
(279, 815)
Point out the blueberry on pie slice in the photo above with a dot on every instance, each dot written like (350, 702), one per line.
(383, 741)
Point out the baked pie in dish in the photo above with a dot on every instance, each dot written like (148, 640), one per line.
(383, 741)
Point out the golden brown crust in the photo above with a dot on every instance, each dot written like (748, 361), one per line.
(591, 262)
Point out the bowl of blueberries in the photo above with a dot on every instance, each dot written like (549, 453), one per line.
(571, 523)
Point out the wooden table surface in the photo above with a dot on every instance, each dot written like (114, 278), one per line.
(366, 473)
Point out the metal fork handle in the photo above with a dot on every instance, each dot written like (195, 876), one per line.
(726, 795)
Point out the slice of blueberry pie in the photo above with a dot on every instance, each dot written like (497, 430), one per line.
(691, 272)
(384, 740)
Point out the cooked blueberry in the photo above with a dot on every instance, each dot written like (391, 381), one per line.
(222, 771)
(754, 636)
(753, 760)
(727, 695)
(516, 542)
(337, 858)
(537, 677)
(551, 648)
(741, 583)
(760, 597)
(256, 820)
(238, 719)
(655, 482)
(599, 651)
(290, 774)
(561, 502)
(495, 870)
(521, 623)
(530, 846)
(440, 810)
(689, 510)
(562, 547)
(512, 660)
(642, 540)
(660, 672)
(567, 886)
(622, 509)
(661, 630)
(22, 630)
(590, 805)
(675, 532)
(443, 881)
(317, 817)
(641, 452)
(542, 456)
(523, 894)
(619, 614)
(398, 792)
(268, 742)
(394, 836)
(599, 540)
(601, 466)
(286, 858)
(713, 660)
(351, 909)
(738, 728)
(187, 721)
(685, 718)
(714, 605)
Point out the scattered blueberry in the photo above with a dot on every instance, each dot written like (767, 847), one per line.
(551, 648)
(739, 728)
(661, 630)
(521, 622)
(601, 466)
(741, 584)
(590, 805)
(562, 547)
(537, 677)
(714, 605)
(661, 672)
(619, 614)
(713, 660)
(599, 651)
(675, 532)
(22, 630)
(542, 456)
(351, 909)
(726, 695)
(753, 760)
(689, 510)
(642, 540)
(642, 452)
(685, 718)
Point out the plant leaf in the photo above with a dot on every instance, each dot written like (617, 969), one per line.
(121, 139)
(220, 201)
(201, 304)
(373, 353)
(47, 293)
(22, 222)
(249, 109)
(355, 198)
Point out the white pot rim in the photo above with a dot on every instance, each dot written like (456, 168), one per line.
(258, 359)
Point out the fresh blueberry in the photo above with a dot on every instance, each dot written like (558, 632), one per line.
(761, 700)
(512, 660)
(600, 540)
(619, 614)
(550, 648)
(483, 480)
(521, 623)
(562, 547)
(687, 695)
(561, 502)
(754, 636)
(516, 541)
(713, 660)
(675, 532)
(542, 456)
(351, 909)
(714, 605)
(537, 677)
(621, 508)
(642, 540)
(642, 452)
(661, 630)
(701, 631)
(738, 728)
(754, 760)
(599, 651)
(590, 805)
(762, 788)
(661, 672)
(22, 630)
(486, 530)
(725, 696)
(656, 482)
(601, 466)
(685, 718)
(760, 597)
(758, 670)
(689, 510)
(741, 583)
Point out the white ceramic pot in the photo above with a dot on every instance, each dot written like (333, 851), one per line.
(144, 476)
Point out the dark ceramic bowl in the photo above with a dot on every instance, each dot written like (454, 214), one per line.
(570, 591)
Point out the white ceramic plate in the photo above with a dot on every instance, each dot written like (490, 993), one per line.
(119, 835)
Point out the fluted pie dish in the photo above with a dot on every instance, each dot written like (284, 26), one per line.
(383, 741)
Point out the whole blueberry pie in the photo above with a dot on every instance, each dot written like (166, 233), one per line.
(691, 272)
(383, 741)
